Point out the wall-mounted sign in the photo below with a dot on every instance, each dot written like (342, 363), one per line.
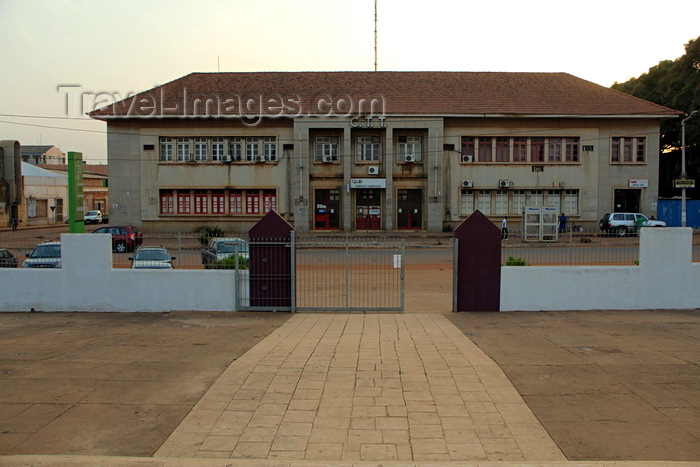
(587, 148)
(368, 122)
(639, 183)
(538, 168)
(368, 183)
(684, 183)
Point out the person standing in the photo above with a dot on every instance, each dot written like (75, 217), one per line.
(562, 223)
(504, 229)
(13, 222)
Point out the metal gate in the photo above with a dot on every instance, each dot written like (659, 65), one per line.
(324, 274)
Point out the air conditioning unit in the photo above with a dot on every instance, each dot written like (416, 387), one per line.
(504, 183)
(409, 158)
(259, 158)
(327, 159)
(373, 170)
(226, 158)
(467, 159)
(467, 184)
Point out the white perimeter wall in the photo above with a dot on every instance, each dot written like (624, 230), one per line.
(665, 278)
(87, 282)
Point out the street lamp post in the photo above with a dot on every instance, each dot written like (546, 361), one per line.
(683, 174)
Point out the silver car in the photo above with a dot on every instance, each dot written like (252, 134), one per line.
(152, 257)
(44, 255)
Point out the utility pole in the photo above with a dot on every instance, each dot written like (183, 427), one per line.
(375, 35)
(683, 174)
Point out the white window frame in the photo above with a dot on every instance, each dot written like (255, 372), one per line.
(252, 148)
(184, 150)
(535, 198)
(553, 199)
(235, 148)
(217, 149)
(484, 202)
(519, 201)
(326, 146)
(571, 202)
(166, 149)
(269, 151)
(410, 145)
(200, 149)
(466, 202)
(501, 201)
(368, 149)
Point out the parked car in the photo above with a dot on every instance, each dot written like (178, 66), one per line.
(220, 248)
(44, 255)
(7, 259)
(124, 237)
(94, 217)
(152, 257)
(624, 223)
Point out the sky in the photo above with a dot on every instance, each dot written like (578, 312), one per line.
(53, 49)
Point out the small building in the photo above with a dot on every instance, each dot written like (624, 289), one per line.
(95, 185)
(46, 195)
(378, 151)
(45, 154)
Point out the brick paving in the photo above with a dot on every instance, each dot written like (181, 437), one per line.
(363, 388)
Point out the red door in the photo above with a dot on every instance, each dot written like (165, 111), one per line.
(369, 210)
(409, 210)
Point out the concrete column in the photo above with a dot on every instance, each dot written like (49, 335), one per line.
(389, 161)
(347, 196)
(434, 170)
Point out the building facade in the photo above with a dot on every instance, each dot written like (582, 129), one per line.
(37, 155)
(45, 196)
(377, 151)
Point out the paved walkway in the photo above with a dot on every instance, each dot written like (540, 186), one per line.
(383, 387)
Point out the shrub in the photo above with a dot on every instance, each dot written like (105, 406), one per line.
(230, 263)
(511, 261)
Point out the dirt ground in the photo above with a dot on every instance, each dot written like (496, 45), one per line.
(606, 385)
(112, 383)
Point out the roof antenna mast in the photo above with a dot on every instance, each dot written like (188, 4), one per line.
(375, 35)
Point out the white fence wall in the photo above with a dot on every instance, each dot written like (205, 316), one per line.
(87, 282)
(665, 278)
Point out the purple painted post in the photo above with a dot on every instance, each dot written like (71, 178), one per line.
(478, 278)
(271, 262)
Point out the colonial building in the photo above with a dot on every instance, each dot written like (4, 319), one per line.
(377, 151)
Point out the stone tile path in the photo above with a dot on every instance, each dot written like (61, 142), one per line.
(386, 387)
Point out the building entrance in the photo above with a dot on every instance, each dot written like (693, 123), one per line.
(368, 210)
(410, 207)
(327, 211)
(627, 200)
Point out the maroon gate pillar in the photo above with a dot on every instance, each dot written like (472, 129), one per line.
(271, 262)
(478, 278)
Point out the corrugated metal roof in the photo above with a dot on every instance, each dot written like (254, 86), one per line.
(29, 170)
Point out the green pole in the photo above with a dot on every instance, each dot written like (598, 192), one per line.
(76, 212)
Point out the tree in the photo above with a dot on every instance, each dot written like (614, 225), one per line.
(674, 84)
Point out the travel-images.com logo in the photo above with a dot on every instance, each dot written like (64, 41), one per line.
(251, 109)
